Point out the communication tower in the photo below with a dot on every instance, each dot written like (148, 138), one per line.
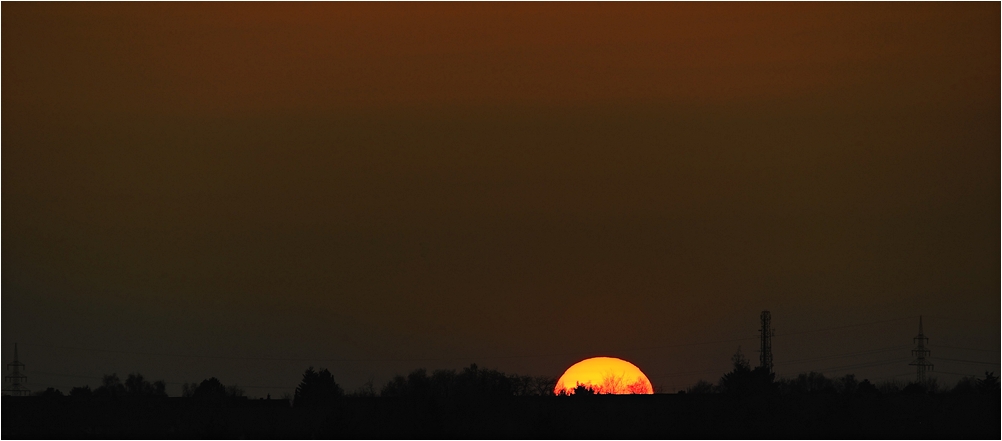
(765, 352)
(16, 378)
(920, 353)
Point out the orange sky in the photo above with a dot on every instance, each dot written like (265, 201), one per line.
(236, 58)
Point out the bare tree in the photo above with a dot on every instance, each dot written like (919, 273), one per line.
(641, 386)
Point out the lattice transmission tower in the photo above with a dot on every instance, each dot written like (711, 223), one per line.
(920, 353)
(16, 378)
(765, 351)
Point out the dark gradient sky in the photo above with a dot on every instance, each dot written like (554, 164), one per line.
(379, 187)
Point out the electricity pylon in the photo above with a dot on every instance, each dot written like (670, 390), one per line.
(920, 353)
(16, 378)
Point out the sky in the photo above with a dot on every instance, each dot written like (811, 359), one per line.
(245, 190)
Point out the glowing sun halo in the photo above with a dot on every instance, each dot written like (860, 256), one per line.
(604, 375)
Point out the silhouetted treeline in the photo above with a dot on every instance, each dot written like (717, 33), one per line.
(138, 387)
(318, 388)
(211, 389)
(745, 380)
(470, 382)
(485, 403)
(135, 386)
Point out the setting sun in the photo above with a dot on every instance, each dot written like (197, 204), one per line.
(604, 375)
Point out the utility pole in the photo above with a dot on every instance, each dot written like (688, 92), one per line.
(920, 353)
(765, 352)
(16, 378)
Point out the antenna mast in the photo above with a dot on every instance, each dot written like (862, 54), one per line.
(765, 355)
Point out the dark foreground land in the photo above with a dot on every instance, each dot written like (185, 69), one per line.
(916, 416)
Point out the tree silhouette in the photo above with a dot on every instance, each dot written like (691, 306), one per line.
(889, 387)
(702, 387)
(49, 393)
(612, 384)
(543, 385)
(365, 390)
(914, 388)
(846, 385)
(471, 382)
(966, 385)
(137, 386)
(476, 382)
(811, 383)
(396, 387)
(83, 392)
(111, 387)
(209, 389)
(317, 388)
(499, 384)
(641, 386)
(743, 380)
(234, 391)
(583, 389)
(989, 384)
(866, 388)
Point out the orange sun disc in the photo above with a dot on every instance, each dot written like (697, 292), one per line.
(604, 375)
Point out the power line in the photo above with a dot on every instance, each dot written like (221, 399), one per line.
(673, 374)
(161, 354)
(965, 320)
(846, 326)
(225, 357)
(955, 373)
(859, 365)
(967, 361)
(848, 354)
(967, 349)
(66, 375)
(166, 382)
(894, 376)
(54, 386)
(676, 374)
